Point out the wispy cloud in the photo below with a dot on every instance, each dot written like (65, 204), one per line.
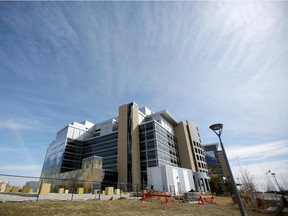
(12, 125)
(259, 152)
(260, 158)
(14, 128)
(32, 123)
(19, 167)
(8, 150)
(204, 61)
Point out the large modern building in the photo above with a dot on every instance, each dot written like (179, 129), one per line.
(128, 144)
(213, 160)
(216, 164)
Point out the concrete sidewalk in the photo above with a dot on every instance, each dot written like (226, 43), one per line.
(20, 197)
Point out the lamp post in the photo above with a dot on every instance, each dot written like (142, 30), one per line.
(283, 194)
(217, 128)
(274, 175)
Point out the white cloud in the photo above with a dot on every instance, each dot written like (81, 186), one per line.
(3, 150)
(26, 123)
(259, 151)
(204, 61)
(18, 137)
(12, 125)
(19, 167)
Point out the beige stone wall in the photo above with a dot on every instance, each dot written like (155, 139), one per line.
(136, 172)
(122, 144)
(8, 189)
(193, 132)
(3, 185)
(45, 188)
(91, 172)
(184, 147)
(198, 152)
(26, 189)
(80, 190)
(109, 190)
(15, 189)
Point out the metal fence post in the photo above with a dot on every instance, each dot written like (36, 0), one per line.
(73, 189)
(40, 186)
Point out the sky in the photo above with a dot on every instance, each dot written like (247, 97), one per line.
(205, 61)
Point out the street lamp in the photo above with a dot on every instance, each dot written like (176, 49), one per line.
(274, 175)
(217, 128)
(283, 194)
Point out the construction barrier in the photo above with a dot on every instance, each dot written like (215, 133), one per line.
(155, 195)
(202, 198)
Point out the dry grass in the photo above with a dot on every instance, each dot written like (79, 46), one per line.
(125, 207)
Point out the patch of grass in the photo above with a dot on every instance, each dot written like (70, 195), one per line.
(121, 207)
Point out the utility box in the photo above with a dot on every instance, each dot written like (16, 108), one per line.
(170, 179)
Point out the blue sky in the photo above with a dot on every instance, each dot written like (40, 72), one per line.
(208, 62)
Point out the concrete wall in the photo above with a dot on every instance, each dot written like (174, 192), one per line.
(201, 182)
(197, 150)
(122, 144)
(184, 147)
(136, 173)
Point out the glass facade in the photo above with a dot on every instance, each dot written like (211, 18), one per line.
(158, 147)
(103, 146)
(72, 156)
(157, 142)
(212, 159)
(54, 154)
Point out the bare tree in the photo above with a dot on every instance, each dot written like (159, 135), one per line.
(248, 189)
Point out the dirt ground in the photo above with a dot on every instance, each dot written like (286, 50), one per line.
(127, 207)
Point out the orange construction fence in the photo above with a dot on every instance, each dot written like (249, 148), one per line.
(155, 195)
(202, 198)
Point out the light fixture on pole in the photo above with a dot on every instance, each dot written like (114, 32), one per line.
(274, 175)
(284, 200)
(217, 128)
